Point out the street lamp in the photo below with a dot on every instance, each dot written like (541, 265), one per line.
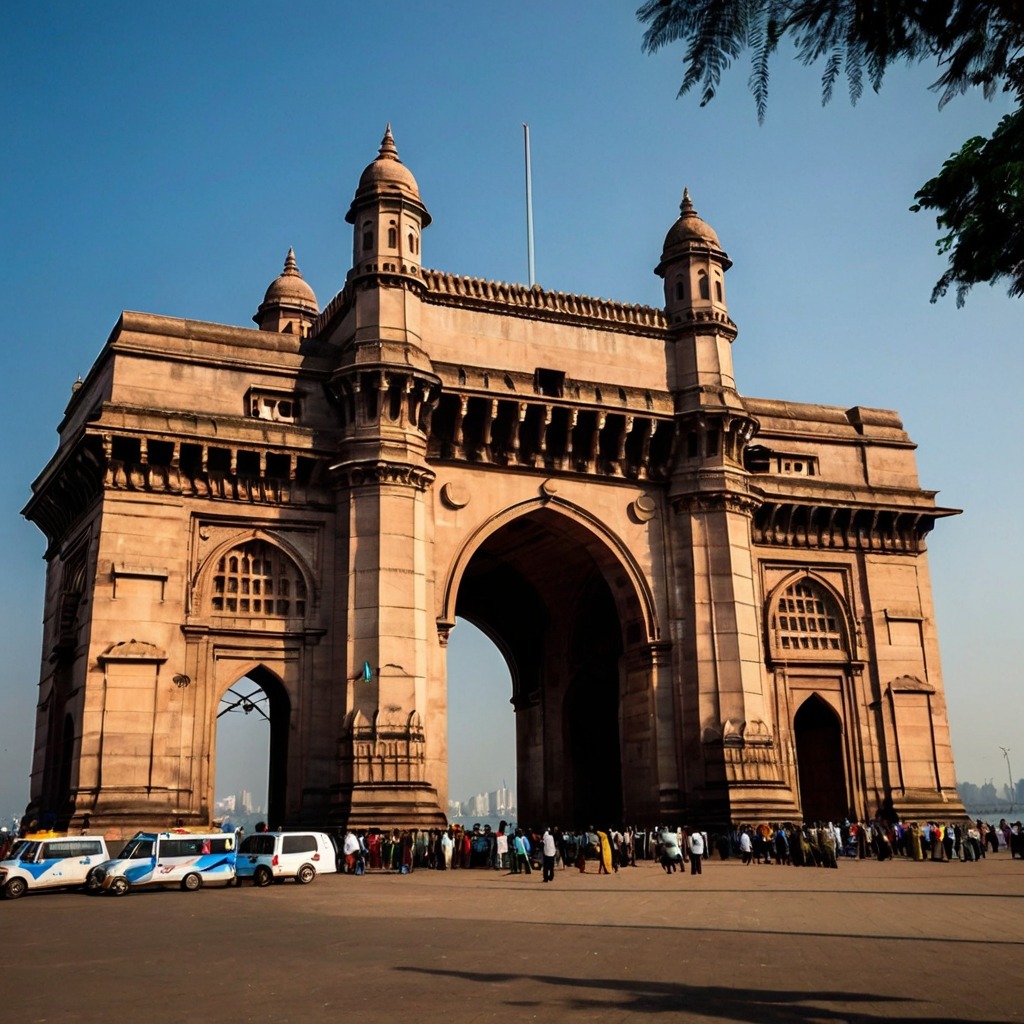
(1009, 775)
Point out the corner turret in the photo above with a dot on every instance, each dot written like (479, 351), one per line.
(693, 264)
(388, 218)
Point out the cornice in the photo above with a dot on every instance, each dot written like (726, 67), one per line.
(829, 526)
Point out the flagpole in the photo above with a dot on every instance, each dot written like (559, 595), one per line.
(529, 205)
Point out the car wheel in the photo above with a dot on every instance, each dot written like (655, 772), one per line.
(305, 874)
(118, 886)
(262, 876)
(191, 883)
(92, 881)
(15, 888)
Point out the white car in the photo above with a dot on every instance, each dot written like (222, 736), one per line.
(58, 863)
(267, 857)
(189, 860)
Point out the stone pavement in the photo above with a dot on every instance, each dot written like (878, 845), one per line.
(869, 942)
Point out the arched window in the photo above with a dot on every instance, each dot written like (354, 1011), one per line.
(680, 289)
(704, 285)
(258, 579)
(367, 237)
(413, 244)
(807, 618)
(392, 237)
(718, 291)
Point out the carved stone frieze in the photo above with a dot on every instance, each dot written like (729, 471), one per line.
(387, 749)
(358, 474)
(719, 501)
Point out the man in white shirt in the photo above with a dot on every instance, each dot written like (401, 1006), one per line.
(746, 846)
(696, 841)
(351, 851)
(548, 849)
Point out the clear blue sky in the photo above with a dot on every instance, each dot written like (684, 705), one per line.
(164, 158)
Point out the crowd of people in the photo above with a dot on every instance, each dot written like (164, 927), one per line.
(508, 848)
(522, 850)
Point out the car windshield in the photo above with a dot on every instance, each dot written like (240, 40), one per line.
(137, 849)
(25, 851)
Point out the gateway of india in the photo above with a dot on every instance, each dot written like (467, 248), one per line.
(713, 607)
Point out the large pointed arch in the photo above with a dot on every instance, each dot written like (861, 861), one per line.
(574, 618)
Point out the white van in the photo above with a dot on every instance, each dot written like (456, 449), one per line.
(274, 856)
(189, 860)
(57, 863)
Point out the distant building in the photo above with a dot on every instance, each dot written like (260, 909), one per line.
(713, 606)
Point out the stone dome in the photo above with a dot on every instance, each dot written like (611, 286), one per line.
(289, 289)
(689, 228)
(289, 298)
(387, 175)
(687, 235)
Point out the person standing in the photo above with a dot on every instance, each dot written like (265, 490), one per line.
(670, 856)
(548, 849)
(696, 841)
(522, 848)
(746, 846)
(501, 849)
(351, 850)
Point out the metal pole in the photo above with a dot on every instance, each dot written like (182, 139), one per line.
(529, 204)
(1009, 776)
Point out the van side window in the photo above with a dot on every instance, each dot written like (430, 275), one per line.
(179, 847)
(298, 844)
(70, 848)
(257, 844)
(222, 844)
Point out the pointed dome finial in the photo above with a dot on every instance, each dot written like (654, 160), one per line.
(686, 206)
(289, 301)
(388, 149)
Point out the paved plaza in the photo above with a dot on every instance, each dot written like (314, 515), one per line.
(869, 942)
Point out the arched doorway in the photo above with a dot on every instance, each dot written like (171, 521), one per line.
(252, 744)
(557, 603)
(819, 753)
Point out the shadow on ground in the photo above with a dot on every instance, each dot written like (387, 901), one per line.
(763, 1006)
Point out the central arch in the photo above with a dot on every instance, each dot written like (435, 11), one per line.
(561, 606)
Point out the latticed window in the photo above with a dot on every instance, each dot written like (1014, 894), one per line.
(258, 579)
(807, 619)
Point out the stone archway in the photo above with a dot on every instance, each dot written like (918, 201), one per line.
(261, 692)
(819, 752)
(556, 601)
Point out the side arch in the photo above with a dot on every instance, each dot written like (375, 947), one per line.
(820, 744)
(279, 713)
(603, 537)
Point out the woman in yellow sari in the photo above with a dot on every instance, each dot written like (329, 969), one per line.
(607, 863)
